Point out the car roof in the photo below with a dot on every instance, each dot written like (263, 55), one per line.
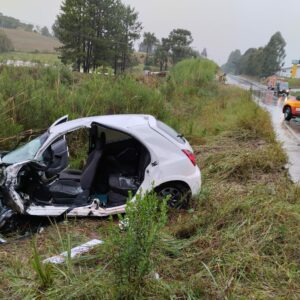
(124, 121)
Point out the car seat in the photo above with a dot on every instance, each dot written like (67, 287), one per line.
(75, 188)
(121, 182)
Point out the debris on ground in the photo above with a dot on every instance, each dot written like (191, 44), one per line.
(59, 259)
(2, 241)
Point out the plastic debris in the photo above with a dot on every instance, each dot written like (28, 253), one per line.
(41, 230)
(59, 259)
(2, 241)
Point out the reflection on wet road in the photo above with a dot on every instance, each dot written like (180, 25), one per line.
(287, 132)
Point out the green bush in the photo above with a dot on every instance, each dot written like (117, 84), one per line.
(131, 250)
(192, 74)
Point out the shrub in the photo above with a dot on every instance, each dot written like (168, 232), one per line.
(131, 250)
(5, 43)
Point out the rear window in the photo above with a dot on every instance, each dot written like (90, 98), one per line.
(171, 132)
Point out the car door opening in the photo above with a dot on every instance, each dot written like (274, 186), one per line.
(114, 169)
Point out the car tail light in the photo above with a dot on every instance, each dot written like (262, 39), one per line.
(191, 156)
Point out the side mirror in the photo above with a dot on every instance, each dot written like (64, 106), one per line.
(298, 98)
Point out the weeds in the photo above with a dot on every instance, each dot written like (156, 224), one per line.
(240, 238)
(43, 271)
(131, 260)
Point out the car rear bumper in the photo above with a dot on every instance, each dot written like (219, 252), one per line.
(194, 181)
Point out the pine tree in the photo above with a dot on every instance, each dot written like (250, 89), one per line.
(180, 41)
(95, 33)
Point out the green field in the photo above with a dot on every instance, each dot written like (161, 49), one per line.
(240, 237)
(294, 83)
(43, 58)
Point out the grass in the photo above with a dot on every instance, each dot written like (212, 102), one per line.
(42, 58)
(294, 83)
(239, 239)
(25, 41)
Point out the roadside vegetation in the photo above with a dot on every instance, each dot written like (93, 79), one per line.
(239, 238)
(34, 57)
(294, 83)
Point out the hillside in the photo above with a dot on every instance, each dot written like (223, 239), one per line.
(26, 41)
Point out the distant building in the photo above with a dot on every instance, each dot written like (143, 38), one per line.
(287, 72)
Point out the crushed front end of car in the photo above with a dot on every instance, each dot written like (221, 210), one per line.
(10, 200)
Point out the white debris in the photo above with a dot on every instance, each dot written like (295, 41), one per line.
(2, 241)
(41, 230)
(58, 259)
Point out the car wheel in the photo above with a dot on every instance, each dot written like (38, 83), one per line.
(287, 113)
(179, 195)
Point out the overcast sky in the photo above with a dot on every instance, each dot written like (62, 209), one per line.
(219, 25)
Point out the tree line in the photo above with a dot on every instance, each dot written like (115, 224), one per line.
(172, 49)
(13, 23)
(261, 62)
(97, 33)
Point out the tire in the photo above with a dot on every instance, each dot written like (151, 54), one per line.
(287, 113)
(179, 194)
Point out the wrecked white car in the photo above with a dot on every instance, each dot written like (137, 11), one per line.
(125, 154)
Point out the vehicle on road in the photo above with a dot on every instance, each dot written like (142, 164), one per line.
(291, 108)
(127, 154)
(282, 88)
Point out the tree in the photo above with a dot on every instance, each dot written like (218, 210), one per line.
(273, 55)
(262, 62)
(161, 55)
(180, 41)
(28, 27)
(149, 42)
(96, 32)
(245, 63)
(204, 53)
(5, 43)
(10, 22)
(45, 31)
(232, 65)
(129, 32)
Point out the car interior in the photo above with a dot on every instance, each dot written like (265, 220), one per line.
(114, 168)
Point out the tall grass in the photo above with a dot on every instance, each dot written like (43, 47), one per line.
(239, 239)
(131, 252)
(32, 98)
(193, 72)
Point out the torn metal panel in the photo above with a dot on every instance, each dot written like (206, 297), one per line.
(58, 259)
(46, 210)
(95, 211)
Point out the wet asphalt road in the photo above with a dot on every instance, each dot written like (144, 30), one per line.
(287, 132)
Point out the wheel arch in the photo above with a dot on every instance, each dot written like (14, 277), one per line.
(173, 182)
(284, 108)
